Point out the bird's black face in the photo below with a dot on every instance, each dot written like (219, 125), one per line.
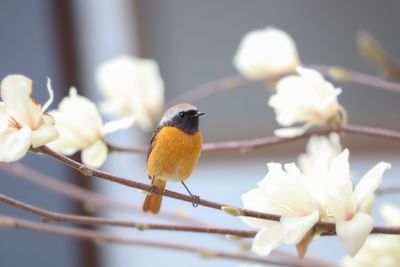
(187, 121)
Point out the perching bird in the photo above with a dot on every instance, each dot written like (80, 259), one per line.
(175, 147)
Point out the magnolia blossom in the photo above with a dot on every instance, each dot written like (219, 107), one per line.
(285, 193)
(320, 151)
(81, 128)
(379, 250)
(132, 87)
(23, 123)
(301, 200)
(267, 52)
(305, 98)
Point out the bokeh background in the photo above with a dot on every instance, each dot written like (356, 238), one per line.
(193, 42)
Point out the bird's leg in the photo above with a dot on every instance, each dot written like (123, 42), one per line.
(152, 185)
(195, 199)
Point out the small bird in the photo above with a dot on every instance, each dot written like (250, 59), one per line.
(175, 147)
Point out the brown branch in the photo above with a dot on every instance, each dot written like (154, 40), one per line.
(104, 238)
(121, 149)
(76, 219)
(90, 199)
(345, 75)
(202, 91)
(328, 227)
(236, 81)
(72, 191)
(274, 140)
(388, 190)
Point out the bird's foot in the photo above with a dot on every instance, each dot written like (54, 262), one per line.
(153, 187)
(195, 201)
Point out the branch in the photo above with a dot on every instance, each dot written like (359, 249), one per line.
(329, 228)
(102, 237)
(236, 81)
(344, 75)
(87, 220)
(388, 190)
(202, 91)
(91, 200)
(72, 191)
(274, 140)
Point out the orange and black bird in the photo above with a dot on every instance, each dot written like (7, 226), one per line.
(175, 147)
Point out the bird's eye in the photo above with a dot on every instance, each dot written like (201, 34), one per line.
(181, 114)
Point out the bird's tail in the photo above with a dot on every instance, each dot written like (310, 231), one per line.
(152, 202)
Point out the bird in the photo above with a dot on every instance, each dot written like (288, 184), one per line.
(174, 150)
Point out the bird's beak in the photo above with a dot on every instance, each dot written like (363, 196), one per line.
(198, 114)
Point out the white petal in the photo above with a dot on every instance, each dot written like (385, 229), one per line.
(292, 131)
(320, 153)
(43, 135)
(310, 74)
(295, 228)
(14, 145)
(370, 181)
(273, 167)
(339, 170)
(366, 205)
(69, 142)
(95, 155)
(113, 126)
(354, 233)
(390, 214)
(51, 96)
(294, 172)
(341, 202)
(4, 118)
(109, 107)
(16, 92)
(256, 200)
(286, 192)
(267, 239)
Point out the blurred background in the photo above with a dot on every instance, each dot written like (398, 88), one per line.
(193, 42)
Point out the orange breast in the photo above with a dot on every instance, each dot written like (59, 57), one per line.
(174, 154)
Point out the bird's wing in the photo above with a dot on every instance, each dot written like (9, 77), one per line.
(153, 138)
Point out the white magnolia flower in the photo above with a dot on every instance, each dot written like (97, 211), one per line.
(131, 86)
(23, 123)
(379, 250)
(285, 193)
(267, 52)
(304, 98)
(297, 198)
(81, 128)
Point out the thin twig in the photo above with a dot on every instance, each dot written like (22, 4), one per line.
(87, 220)
(345, 75)
(329, 228)
(104, 238)
(388, 190)
(274, 140)
(202, 91)
(90, 199)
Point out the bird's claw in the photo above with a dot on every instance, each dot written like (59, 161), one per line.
(195, 201)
